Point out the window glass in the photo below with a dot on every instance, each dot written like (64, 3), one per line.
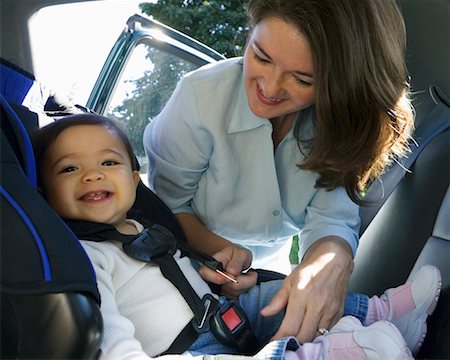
(146, 83)
(70, 43)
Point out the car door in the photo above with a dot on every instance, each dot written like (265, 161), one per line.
(141, 72)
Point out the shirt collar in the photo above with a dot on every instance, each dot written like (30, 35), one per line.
(242, 118)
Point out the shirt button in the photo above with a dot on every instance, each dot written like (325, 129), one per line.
(276, 212)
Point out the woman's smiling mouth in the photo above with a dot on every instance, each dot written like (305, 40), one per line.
(266, 100)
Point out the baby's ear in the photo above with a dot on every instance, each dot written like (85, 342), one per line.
(136, 177)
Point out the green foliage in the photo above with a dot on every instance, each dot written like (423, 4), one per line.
(219, 24)
(149, 95)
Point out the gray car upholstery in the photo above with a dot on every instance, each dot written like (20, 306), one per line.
(412, 226)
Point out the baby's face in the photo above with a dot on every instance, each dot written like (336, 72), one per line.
(87, 175)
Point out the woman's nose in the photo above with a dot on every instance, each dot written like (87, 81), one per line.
(273, 85)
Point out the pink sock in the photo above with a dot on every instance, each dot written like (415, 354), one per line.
(308, 351)
(378, 309)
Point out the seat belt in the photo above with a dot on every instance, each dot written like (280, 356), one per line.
(437, 121)
(156, 244)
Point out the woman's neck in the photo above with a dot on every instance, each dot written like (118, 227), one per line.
(281, 126)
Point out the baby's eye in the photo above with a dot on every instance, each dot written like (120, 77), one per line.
(68, 169)
(109, 163)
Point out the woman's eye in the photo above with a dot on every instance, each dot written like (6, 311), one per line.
(109, 162)
(261, 59)
(303, 82)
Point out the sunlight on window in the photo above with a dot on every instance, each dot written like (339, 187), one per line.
(137, 65)
(71, 42)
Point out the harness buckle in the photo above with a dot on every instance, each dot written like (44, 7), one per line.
(153, 242)
(210, 304)
(228, 323)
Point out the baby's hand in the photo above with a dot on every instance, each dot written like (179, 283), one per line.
(234, 260)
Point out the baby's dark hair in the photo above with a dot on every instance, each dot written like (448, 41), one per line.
(44, 137)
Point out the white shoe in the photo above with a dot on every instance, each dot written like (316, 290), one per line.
(349, 339)
(411, 304)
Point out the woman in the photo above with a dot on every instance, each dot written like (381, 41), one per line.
(249, 152)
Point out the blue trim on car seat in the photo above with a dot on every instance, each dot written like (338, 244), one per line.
(29, 161)
(77, 241)
(42, 251)
(14, 81)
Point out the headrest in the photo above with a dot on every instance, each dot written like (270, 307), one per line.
(15, 83)
(428, 51)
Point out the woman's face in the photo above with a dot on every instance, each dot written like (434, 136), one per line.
(278, 69)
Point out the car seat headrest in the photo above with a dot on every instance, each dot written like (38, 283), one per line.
(428, 55)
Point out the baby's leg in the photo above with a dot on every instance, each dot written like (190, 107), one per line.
(356, 305)
(252, 303)
(349, 339)
(408, 306)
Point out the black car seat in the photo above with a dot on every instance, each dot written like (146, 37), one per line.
(49, 297)
(407, 223)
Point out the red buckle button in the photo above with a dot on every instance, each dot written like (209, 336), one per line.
(231, 319)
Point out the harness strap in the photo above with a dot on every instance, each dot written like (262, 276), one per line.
(228, 322)
(437, 121)
(170, 269)
(183, 341)
(156, 244)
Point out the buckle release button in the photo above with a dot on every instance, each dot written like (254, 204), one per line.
(231, 319)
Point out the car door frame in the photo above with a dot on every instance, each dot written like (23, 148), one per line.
(138, 30)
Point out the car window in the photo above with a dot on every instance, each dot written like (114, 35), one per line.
(141, 72)
(145, 85)
(70, 43)
(111, 59)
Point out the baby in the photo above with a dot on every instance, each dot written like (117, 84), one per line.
(87, 171)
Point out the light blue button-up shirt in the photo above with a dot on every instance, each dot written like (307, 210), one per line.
(210, 155)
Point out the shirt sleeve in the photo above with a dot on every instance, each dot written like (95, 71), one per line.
(330, 213)
(178, 147)
(118, 336)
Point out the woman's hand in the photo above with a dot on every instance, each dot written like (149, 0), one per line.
(314, 293)
(234, 259)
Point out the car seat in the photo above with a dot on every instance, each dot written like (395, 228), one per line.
(407, 221)
(49, 296)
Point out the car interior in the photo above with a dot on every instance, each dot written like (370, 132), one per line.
(49, 300)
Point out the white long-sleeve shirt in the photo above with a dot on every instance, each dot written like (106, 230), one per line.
(142, 311)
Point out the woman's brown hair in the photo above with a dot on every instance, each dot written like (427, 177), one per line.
(364, 118)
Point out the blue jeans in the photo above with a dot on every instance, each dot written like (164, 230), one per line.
(265, 327)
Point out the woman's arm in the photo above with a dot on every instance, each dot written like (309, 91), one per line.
(234, 258)
(199, 236)
(314, 293)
